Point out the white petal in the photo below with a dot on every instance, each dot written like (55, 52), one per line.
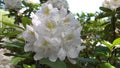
(72, 53)
(72, 61)
(35, 20)
(28, 47)
(53, 58)
(13, 4)
(38, 56)
(32, 1)
(62, 54)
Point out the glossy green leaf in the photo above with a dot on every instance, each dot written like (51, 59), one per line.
(28, 66)
(105, 9)
(87, 60)
(16, 60)
(106, 65)
(116, 41)
(102, 15)
(57, 64)
(118, 9)
(12, 45)
(90, 14)
(9, 54)
(12, 34)
(26, 21)
(118, 16)
(108, 44)
(11, 25)
(102, 51)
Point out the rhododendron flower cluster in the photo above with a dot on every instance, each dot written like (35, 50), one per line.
(111, 4)
(54, 33)
(5, 60)
(13, 4)
(58, 3)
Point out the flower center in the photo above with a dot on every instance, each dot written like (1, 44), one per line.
(106, 1)
(69, 37)
(31, 32)
(46, 11)
(67, 20)
(45, 43)
(50, 25)
(4, 60)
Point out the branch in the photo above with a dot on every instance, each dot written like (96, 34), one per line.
(113, 22)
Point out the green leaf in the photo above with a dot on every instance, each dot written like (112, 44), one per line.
(12, 34)
(26, 55)
(118, 16)
(87, 60)
(22, 55)
(9, 54)
(109, 45)
(57, 64)
(26, 21)
(28, 66)
(12, 25)
(118, 9)
(116, 41)
(105, 9)
(82, 15)
(90, 14)
(106, 65)
(12, 45)
(102, 15)
(16, 60)
(102, 51)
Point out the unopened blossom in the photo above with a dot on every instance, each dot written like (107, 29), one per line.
(13, 4)
(111, 4)
(32, 1)
(54, 34)
(5, 60)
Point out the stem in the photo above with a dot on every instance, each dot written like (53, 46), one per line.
(18, 20)
(17, 17)
(113, 21)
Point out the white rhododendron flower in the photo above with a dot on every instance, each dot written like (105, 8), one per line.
(29, 36)
(106, 3)
(111, 4)
(59, 3)
(5, 60)
(54, 34)
(13, 4)
(32, 1)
